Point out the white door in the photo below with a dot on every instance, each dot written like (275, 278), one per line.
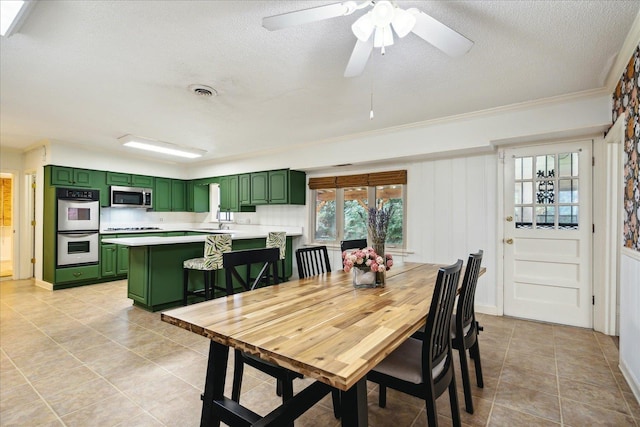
(547, 233)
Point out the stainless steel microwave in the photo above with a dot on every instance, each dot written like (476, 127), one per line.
(130, 197)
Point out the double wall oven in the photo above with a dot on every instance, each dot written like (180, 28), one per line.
(78, 226)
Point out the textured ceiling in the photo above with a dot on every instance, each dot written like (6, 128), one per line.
(88, 72)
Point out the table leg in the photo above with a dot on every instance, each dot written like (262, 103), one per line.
(353, 404)
(214, 383)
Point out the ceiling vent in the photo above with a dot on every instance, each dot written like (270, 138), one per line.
(203, 91)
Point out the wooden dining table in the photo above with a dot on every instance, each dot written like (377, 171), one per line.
(321, 327)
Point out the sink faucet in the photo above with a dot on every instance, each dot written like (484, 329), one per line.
(222, 226)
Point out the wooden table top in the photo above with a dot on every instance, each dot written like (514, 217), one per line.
(321, 326)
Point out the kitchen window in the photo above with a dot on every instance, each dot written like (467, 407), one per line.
(342, 202)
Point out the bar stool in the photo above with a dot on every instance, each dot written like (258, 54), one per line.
(214, 246)
(278, 239)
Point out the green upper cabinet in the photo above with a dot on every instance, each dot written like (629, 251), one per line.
(162, 195)
(61, 175)
(244, 188)
(197, 197)
(125, 179)
(169, 195)
(260, 188)
(100, 182)
(229, 194)
(278, 187)
(178, 195)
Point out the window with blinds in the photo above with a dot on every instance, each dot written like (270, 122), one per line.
(342, 203)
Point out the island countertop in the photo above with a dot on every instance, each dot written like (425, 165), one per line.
(172, 240)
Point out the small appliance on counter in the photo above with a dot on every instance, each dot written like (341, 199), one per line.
(130, 197)
(78, 226)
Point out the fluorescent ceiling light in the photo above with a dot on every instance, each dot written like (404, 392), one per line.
(12, 15)
(160, 147)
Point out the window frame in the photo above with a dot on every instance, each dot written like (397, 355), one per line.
(371, 197)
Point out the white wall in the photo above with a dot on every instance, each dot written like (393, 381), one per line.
(575, 115)
(630, 318)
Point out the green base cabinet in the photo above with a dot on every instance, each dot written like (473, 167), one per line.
(156, 276)
(108, 260)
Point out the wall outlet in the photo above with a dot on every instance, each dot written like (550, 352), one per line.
(161, 219)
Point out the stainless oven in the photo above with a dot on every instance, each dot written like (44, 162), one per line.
(77, 248)
(78, 209)
(78, 226)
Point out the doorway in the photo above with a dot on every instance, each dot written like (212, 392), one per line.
(6, 225)
(547, 233)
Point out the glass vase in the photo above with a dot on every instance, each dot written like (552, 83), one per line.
(364, 278)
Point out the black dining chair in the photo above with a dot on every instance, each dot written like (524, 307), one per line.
(353, 244)
(424, 367)
(264, 260)
(464, 327)
(250, 259)
(312, 261)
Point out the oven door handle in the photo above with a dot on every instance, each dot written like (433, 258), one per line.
(79, 234)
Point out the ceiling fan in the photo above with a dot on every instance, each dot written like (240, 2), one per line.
(374, 29)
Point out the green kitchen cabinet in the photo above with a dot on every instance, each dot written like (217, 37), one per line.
(197, 197)
(156, 276)
(61, 175)
(108, 260)
(68, 275)
(100, 182)
(162, 195)
(278, 187)
(260, 188)
(178, 195)
(122, 260)
(169, 195)
(229, 194)
(129, 180)
(244, 188)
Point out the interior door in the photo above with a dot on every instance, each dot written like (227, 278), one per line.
(547, 228)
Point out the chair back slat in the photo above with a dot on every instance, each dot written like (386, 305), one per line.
(266, 257)
(465, 310)
(312, 261)
(437, 342)
(353, 244)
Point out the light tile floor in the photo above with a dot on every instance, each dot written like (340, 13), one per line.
(86, 357)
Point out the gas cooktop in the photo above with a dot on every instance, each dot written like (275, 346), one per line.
(132, 228)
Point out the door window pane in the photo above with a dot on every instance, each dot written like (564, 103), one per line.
(567, 217)
(545, 217)
(325, 215)
(568, 192)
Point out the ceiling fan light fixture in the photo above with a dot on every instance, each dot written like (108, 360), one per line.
(363, 27)
(403, 22)
(382, 13)
(383, 37)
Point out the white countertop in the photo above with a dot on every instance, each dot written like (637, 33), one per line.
(172, 240)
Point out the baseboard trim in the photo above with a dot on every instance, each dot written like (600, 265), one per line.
(487, 309)
(42, 284)
(631, 381)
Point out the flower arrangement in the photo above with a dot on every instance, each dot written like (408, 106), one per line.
(366, 258)
(378, 223)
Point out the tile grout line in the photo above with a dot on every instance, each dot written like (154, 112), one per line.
(504, 360)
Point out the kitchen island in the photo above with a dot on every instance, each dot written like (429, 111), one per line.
(155, 264)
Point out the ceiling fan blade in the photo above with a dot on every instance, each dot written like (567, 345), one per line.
(305, 16)
(435, 32)
(359, 58)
